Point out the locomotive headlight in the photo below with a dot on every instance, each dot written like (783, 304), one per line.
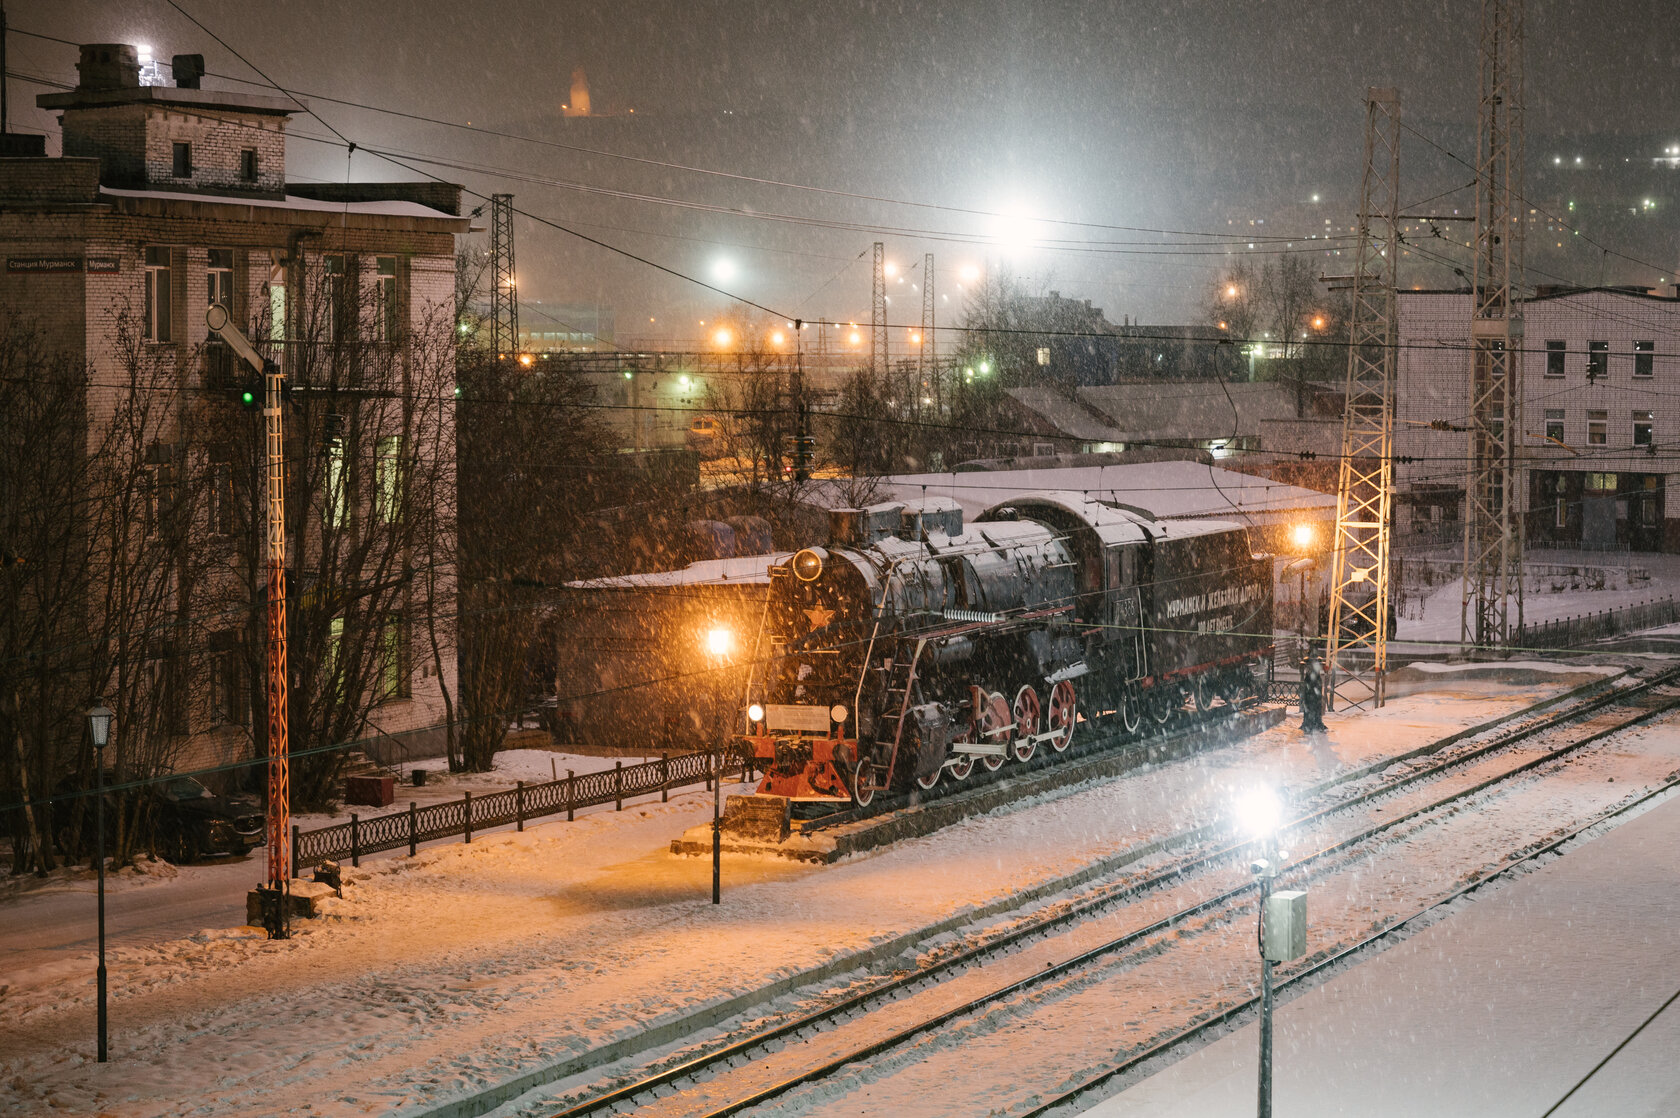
(808, 564)
(838, 712)
(755, 713)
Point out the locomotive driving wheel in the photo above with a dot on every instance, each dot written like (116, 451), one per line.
(1026, 724)
(994, 715)
(1202, 693)
(1162, 702)
(1063, 713)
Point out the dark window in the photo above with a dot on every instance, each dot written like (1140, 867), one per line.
(1641, 428)
(1554, 424)
(385, 301)
(1598, 359)
(1643, 355)
(248, 165)
(1554, 358)
(393, 658)
(183, 161)
(219, 493)
(227, 680)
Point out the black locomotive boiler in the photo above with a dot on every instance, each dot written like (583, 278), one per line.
(914, 647)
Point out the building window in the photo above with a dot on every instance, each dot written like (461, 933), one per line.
(227, 680)
(219, 278)
(248, 165)
(332, 296)
(385, 299)
(334, 499)
(1044, 355)
(157, 325)
(219, 493)
(1598, 359)
(1560, 513)
(1554, 424)
(183, 161)
(393, 658)
(1598, 428)
(388, 479)
(1554, 358)
(1644, 354)
(1641, 428)
(1601, 483)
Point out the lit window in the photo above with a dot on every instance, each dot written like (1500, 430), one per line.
(388, 478)
(1044, 355)
(385, 299)
(157, 324)
(332, 296)
(334, 503)
(1554, 424)
(1598, 428)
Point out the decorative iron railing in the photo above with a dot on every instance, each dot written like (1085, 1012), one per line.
(517, 805)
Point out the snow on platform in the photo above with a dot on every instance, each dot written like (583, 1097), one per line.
(1496, 1011)
(470, 967)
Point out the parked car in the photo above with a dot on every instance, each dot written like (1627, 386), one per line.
(190, 819)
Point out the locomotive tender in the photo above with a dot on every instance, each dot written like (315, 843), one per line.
(914, 648)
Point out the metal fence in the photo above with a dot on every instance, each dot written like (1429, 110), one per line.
(397, 829)
(1577, 632)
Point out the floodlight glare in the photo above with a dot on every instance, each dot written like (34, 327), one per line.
(1258, 811)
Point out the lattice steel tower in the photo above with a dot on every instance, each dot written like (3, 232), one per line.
(878, 314)
(927, 363)
(504, 293)
(1493, 527)
(1357, 648)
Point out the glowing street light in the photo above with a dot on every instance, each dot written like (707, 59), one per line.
(890, 268)
(723, 269)
(968, 273)
(1230, 291)
(723, 337)
(719, 642)
(1282, 916)
(1302, 535)
(778, 338)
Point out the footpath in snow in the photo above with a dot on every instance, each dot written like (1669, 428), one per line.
(468, 966)
(1495, 1012)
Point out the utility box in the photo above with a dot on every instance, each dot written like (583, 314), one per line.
(1284, 927)
(374, 791)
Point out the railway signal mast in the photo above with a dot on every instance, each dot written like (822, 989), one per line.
(279, 835)
(927, 366)
(1493, 527)
(878, 314)
(504, 293)
(1359, 589)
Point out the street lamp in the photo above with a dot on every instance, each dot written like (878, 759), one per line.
(99, 726)
(1281, 926)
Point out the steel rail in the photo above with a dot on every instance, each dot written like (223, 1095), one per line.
(1167, 923)
(1117, 894)
(1228, 1014)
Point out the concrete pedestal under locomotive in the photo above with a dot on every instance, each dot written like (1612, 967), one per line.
(914, 648)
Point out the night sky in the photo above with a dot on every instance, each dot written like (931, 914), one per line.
(1196, 116)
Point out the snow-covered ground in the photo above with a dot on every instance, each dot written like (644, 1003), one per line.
(1497, 1011)
(439, 975)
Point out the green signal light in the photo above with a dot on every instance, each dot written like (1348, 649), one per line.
(248, 398)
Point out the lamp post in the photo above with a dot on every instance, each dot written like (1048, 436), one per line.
(719, 642)
(1281, 926)
(99, 725)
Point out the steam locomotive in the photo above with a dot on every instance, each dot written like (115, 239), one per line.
(913, 647)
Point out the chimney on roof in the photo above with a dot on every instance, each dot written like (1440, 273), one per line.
(109, 66)
(187, 68)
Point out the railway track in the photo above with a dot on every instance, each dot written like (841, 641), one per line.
(903, 1011)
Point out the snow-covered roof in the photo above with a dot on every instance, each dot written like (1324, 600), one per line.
(742, 570)
(1164, 489)
(387, 208)
(1065, 415)
(1188, 409)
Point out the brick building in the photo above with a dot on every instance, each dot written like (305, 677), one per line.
(167, 200)
(1600, 445)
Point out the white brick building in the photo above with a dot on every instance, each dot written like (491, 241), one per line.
(1600, 445)
(167, 200)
